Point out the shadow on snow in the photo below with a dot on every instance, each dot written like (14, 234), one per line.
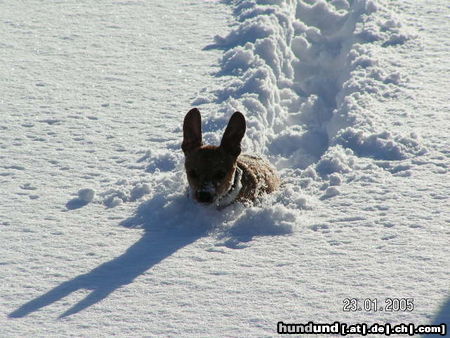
(163, 236)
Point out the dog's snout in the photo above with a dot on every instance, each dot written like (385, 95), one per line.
(204, 197)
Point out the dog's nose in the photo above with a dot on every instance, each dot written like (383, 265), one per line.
(204, 197)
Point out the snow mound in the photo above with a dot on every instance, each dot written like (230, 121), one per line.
(380, 146)
(86, 195)
(124, 191)
(161, 160)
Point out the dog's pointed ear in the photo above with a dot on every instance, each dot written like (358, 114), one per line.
(192, 131)
(231, 140)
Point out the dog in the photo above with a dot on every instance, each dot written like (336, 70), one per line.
(220, 175)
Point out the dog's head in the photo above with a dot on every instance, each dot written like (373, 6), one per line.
(210, 169)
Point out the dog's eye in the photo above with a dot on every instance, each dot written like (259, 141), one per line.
(220, 175)
(192, 173)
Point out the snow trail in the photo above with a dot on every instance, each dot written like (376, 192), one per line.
(301, 70)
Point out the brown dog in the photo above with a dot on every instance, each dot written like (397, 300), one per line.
(218, 174)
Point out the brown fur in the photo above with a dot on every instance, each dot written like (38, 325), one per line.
(258, 177)
(211, 169)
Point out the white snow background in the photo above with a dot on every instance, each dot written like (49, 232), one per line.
(348, 99)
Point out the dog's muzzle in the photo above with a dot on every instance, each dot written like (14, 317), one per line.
(207, 194)
(204, 196)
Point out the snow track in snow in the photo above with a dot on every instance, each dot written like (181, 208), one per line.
(303, 74)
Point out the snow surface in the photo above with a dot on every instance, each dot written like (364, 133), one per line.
(348, 99)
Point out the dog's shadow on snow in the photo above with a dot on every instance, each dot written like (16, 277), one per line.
(166, 231)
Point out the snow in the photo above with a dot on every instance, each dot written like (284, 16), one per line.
(348, 99)
(86, 195)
